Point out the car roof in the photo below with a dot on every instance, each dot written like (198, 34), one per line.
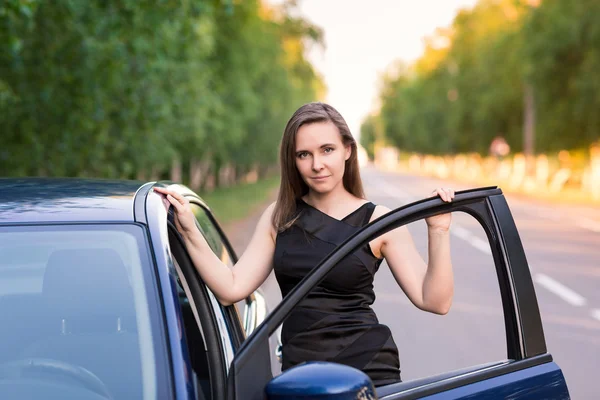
(52, 200)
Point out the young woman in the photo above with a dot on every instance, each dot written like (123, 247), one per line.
(320, 204)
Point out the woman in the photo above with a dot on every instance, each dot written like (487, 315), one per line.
(320, 204)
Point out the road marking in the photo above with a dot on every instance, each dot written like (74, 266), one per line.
(395, 193)
(461, 232)
(481, 244)
(557, 215)
(546, 214)
(562, 291)
(565, 293)
(568, 295)
(388, 190)
(587, 223)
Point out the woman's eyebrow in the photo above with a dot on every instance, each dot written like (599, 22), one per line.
(321, 147)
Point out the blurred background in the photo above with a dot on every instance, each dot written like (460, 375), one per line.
(199, 91)
(458, 93)
(195, 90)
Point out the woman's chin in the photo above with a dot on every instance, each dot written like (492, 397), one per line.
(321, 189)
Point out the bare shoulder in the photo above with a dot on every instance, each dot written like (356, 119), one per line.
(379, 211)
(269, 210)
(267, 214)
(266, 221)
(377, 243)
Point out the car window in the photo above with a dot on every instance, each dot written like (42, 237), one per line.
(326, 317)
(78, 296)
(431, 344)
(212, 236)
(251, 311)
(427, 344)
(193, 336)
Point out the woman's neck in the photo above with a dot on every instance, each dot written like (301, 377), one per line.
(329, 201)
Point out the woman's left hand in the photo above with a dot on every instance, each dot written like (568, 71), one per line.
(441, 222)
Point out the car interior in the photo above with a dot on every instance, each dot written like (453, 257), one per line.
(203, 357)
(81, 329)
(196, 346)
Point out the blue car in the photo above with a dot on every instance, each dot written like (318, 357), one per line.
(99, 300)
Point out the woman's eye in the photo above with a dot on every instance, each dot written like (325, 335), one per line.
(328, 149)
(302, 155)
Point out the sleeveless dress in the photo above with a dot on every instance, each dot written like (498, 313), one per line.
(335, 322)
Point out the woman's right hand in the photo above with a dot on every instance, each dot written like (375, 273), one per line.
(185, 221)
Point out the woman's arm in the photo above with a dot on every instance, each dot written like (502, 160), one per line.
(430, 287)
(229, 285)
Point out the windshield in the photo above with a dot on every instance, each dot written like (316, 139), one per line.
(74, 312)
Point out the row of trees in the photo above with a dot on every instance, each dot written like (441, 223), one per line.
(113, 89)
(503, 68)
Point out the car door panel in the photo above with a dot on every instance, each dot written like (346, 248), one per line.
(205, 314)
(534, 378)
(155, 216)
(208, 315)
(527, 363)
(544, 381)
(532, 340)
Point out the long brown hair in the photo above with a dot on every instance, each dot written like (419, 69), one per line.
(292, 186)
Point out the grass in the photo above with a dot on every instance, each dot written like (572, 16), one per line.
(237, 202)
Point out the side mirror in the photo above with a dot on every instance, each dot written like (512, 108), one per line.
(255, 311)
(321, 380)
(279, 346)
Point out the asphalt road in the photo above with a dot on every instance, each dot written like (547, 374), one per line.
(562, 244)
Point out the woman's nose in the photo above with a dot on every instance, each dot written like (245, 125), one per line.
(317, 165)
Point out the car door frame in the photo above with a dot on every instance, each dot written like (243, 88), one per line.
(151, 209)
(235, 326)
(526, 346)
(202, 306)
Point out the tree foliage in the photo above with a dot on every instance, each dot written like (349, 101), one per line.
(109, 89)
(468, 86)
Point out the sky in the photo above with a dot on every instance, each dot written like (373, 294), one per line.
(363, 38)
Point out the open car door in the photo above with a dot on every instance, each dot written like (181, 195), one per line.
(527, 373)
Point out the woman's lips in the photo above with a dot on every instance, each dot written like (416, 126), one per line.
(319, 178)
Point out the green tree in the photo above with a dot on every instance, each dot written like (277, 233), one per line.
(475, 78)
(111, 89)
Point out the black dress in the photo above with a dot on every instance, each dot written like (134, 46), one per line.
(335, 322)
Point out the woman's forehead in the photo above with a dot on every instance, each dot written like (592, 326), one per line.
(315, 135)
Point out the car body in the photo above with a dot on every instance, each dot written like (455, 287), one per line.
(99, 299)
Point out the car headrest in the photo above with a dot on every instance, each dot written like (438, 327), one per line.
(87, 283)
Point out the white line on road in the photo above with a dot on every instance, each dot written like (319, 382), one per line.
(386, 189)
(556, 215)
(461, 232)
(587, 223)
(473, 240)
(565, 293)
(481, 244)
(395, 193)
(560, 290)
(547, 214)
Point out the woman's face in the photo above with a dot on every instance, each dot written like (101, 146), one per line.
(321, 155)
